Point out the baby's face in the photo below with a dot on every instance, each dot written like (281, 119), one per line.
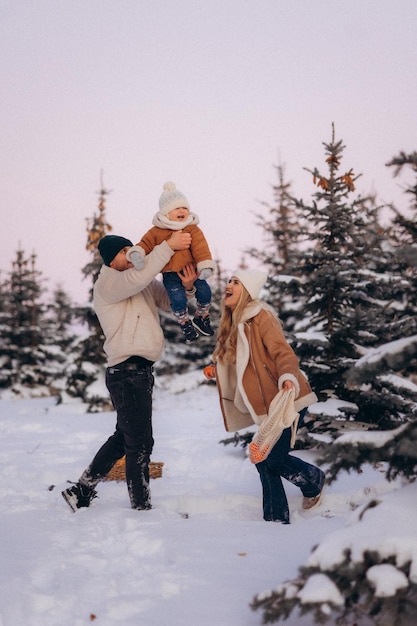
(178, 215)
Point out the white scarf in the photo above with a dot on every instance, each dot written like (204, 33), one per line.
(243, 355)
(281, 415)
(161, 221)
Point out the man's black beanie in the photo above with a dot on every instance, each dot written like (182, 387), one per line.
(111, 245)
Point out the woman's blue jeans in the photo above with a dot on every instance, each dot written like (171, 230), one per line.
(280, 464)
(130, 389)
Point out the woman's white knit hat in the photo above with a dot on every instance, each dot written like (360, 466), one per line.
(252, 280)
(172, 198)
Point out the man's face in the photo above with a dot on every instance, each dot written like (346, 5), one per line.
(120, 262)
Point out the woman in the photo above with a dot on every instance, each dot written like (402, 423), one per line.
(253, 362)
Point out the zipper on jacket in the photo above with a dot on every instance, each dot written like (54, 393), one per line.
(135, 328)
(270, 374)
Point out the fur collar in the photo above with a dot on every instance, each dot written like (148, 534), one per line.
(243, 352)
(253, 308)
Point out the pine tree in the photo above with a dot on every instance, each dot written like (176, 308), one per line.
(281, 228)
(285, 233)
(348, 289)
(27, 353)
(404, 251)
(386, 373)
(351, 597)
(61, 314)
(408, 227)
(330, 266)
(404, 232)
(97, 228)
(88, 365)
(4, 336)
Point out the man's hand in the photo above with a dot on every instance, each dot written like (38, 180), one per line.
(179, 240)
(188, 276)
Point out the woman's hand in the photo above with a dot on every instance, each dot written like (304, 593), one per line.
(210, 371)
(287, 385)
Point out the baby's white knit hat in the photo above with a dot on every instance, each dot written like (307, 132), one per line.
(172, 198)
(252, 280)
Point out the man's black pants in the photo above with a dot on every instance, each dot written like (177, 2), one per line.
(130, 385)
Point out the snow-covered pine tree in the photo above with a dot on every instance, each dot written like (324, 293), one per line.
(407, 225)
(27, 350)
(342, 586)
(285, 235)
(60, 313)
(404, 233)
(4, 331)
(348, 290)
(87, 369)
(389, 371)
(330, 269)
(349, 583)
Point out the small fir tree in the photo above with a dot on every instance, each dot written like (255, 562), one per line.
(88, 365)
(404, 233)
(285, 234)
(27, 351)
(61, 314)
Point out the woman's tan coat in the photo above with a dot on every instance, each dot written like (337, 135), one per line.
(264, 360)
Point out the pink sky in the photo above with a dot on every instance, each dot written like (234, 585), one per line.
(209, 94)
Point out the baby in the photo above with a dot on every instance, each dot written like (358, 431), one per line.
(174, 214)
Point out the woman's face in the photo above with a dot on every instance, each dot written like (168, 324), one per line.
(232, 293)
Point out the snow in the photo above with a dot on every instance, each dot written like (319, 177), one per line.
(386, 579)
(202, 553)
(332, 407)
(386, 525)
(374, 355)
(377, 439)
(399, 382)
(319, 588)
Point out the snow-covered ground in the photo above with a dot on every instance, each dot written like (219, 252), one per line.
(196, 559)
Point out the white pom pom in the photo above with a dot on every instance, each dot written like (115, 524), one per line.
(169, 186)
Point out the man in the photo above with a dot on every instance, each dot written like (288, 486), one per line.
(126, 301)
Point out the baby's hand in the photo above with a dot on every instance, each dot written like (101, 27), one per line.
(205, 273)
(137, 259)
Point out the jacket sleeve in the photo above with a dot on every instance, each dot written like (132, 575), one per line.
(200, 250)
(148, 241)
(160, 295)
(279, 350)
(113, 286)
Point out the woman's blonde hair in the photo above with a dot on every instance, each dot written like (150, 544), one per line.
(225, 349)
